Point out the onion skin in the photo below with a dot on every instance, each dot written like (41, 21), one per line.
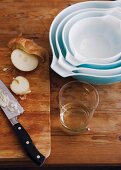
(27, 45)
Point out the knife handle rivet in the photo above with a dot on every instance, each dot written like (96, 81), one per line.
(38, 156)
(19, 128)
(27, 142)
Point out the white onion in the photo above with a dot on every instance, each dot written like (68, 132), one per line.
(20, 86)
(23, 61)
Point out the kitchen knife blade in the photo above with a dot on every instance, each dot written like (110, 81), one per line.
(17, 109)
(12, 109)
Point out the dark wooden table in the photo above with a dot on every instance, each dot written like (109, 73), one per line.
(101, 145)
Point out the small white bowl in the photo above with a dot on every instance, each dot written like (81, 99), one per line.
(84, 13)
(62, 32)
(96, 39)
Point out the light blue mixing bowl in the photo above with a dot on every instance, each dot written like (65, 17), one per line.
(55, 64)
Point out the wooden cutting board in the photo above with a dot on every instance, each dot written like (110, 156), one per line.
(16, 18)
(36, 118)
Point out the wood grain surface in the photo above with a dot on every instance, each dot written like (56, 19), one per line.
(102, 144)
(19, 17)
(99, 146)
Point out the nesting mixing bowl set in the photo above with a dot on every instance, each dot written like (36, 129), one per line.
(86, 42)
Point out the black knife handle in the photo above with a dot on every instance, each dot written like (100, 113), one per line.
(28, 145)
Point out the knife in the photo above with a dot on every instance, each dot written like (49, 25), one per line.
(12, 110)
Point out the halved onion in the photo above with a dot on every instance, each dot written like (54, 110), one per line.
(20, 86)
(23, 61)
